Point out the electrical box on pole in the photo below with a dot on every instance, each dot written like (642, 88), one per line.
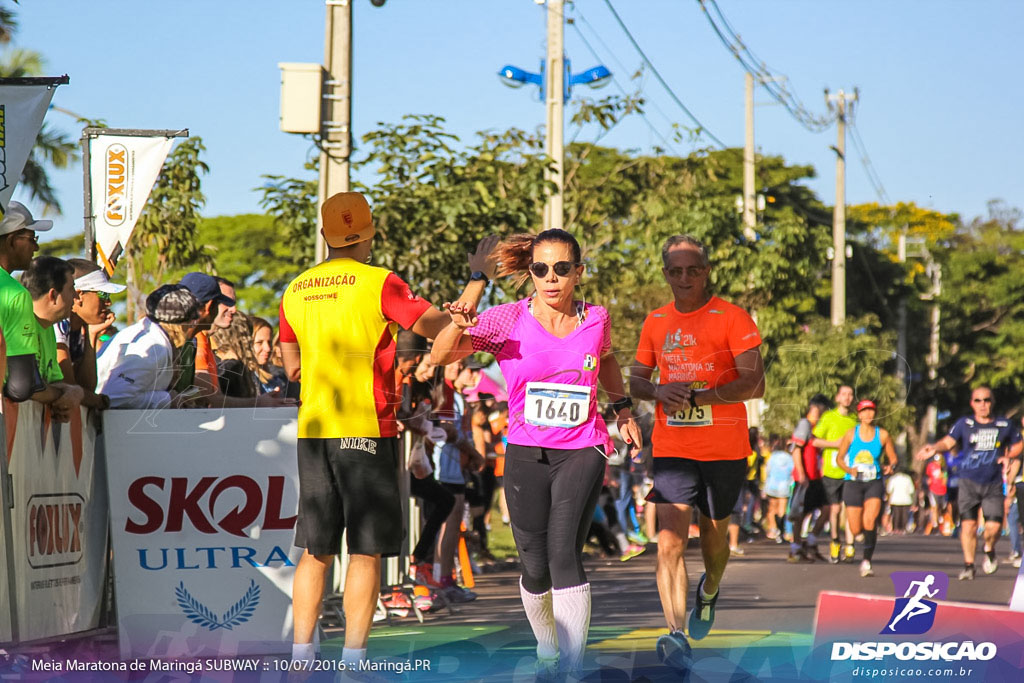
(301, 90)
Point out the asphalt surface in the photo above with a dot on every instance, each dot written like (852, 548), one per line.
(766, 611)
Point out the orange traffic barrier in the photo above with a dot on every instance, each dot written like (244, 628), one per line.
(464, 563)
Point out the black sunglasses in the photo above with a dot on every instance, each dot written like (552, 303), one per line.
(562, 268)
(981, 400)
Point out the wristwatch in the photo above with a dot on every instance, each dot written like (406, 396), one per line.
(479, 276)
(624, 402)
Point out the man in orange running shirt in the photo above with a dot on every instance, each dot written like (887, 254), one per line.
(707, 353)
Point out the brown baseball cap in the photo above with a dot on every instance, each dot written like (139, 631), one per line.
(347, 219)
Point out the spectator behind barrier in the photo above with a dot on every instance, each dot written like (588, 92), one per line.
(78, 335)
(210, 292)
(50, 282)
(236, 366)
(18, 242)
(151, 364)
(269, 376)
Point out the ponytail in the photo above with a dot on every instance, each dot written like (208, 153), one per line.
(515, 254)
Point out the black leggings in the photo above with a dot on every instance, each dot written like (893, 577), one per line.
(551, 496)
(437, 504)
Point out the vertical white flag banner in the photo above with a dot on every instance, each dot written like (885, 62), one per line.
(22, 108)
(122, 170)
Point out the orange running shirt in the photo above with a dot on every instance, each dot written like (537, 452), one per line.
(699, 347)
(343, 316)
(206, 361)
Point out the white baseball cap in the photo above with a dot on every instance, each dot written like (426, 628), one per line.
(18, 217)
(97, 281)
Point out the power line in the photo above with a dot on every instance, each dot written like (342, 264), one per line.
(701, 128)
(593, 52)
(622, 67)
(774, 84)
(869, 168)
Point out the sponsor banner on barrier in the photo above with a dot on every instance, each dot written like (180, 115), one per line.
(916, 634)
(122, 170)
(203, 506)
(22, 108)
(59, 521)
(6, 542)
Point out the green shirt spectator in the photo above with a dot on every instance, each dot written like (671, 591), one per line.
(16, 317)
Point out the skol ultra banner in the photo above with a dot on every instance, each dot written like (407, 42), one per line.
(22, 108)
(59, 521)
(203, 506)
(122, 170)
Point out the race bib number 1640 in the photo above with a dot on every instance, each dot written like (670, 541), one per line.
(557, 405)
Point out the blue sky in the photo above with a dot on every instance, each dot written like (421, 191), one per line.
(939, 113)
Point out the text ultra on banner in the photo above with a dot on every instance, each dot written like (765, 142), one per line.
(122, 170)
(202, 506)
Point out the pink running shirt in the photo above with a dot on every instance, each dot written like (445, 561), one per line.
(528, 353)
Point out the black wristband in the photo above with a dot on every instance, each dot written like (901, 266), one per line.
(624, 402)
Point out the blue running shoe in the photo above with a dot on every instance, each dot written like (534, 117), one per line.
(702, 616)
(674, 651)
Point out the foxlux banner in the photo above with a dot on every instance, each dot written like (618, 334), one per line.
(22, 108)
(203, 506)
(122, 170)
(59, 521)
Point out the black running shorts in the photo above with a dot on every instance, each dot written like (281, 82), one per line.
(856, 492)
(988, 497)
(349, 484)
(833, 490)
(711, 486)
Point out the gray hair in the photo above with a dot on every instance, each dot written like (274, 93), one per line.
(688, 240)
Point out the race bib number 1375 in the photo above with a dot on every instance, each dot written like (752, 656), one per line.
(695, 416)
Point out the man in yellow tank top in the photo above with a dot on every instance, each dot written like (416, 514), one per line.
(338, 326)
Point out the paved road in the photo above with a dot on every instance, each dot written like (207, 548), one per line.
(766, 608)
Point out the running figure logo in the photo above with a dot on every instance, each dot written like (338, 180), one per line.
(914, 613)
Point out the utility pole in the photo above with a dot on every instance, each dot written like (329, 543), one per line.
(931, 414)
(901, 340)
(336, 108)
(749, 212)
(554, 96)
(839, 214)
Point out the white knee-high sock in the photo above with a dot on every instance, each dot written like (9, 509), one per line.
(542, 621)
(572, 623)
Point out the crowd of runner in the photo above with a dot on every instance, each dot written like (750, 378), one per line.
(367, 361)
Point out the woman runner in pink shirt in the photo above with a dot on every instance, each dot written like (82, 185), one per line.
(553, 351)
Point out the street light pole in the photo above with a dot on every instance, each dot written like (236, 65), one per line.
(554, 94)
(336, 108)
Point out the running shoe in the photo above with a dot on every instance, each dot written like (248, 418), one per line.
(455, 592)
(865, 569)
(798, 556)
(1016, 562)
(849, 553)
(737, 551)
(424, 603)
(812, 553)
(674, 651)
(637, 538)
(397, 600)
(631, 552)
(423, 574)
(967, 574)
(833, 552)
(989, 566)
(702, 616)
(546, 670)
